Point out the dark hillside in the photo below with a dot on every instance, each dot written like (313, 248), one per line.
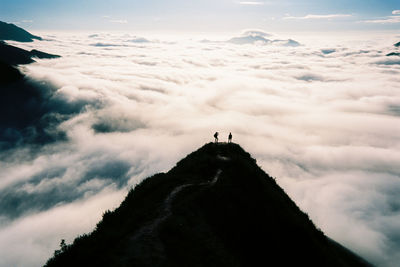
(25, 105)
(9, 31)
(15, 56)
(215, 208)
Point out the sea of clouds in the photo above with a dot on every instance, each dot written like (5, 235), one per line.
(319, 113)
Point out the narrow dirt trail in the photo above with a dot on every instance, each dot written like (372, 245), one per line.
(147, 236)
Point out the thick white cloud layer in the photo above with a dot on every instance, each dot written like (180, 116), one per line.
(323, 118)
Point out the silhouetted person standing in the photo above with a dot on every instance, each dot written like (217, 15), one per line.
(216, 137)
(230, 138)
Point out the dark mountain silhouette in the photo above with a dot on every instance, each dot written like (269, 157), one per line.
(14, 56)
(26, 113)
(10, 56)
(216, 207)
(8, 73)
(393, 54)
(9, 31)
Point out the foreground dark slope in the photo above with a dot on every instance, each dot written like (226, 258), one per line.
(215, 208)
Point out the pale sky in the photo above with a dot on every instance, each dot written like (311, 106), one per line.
(202, 15)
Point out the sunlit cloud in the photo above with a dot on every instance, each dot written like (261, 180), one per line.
(252, 3)
(328, 16)
(387, 20)
(323, 118)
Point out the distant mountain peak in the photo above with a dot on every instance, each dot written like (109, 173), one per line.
(216, 207)
(260, 37)
(9, 31)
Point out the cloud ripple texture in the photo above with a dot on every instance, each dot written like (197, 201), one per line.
(323, 117)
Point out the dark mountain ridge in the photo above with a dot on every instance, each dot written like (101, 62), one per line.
(15, 56)
(12, 32)
(24, 104)
(394, 53)
(216, 207)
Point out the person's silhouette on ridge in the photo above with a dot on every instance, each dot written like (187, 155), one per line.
(230, 138)
(216, 137)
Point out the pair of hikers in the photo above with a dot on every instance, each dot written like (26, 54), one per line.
(216, 137)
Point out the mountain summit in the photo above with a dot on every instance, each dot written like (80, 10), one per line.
(216, 207)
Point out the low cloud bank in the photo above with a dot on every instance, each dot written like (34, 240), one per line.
(323, 118)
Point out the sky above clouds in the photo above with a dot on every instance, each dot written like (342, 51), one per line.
(203, 15)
